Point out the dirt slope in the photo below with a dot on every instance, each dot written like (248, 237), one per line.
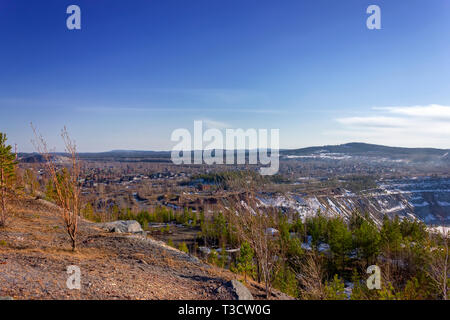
(35, 254)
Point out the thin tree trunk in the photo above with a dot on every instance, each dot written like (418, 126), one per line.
(3, 196)
(72, 235)
(74, 245)
(258, 269)
(445, 288)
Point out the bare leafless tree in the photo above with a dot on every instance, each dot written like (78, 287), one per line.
(65, 181)
(438, 268)
(310, 276)
(251, 222)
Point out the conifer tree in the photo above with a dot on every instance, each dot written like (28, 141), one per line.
(317, 228)
(391, 235)
(213, 257)
(183, 247)
(339, 239)
(245, 260)
(367, 241)
(88, 211)
(335, 289)
(8, 166)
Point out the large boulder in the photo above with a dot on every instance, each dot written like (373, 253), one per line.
(237, 290)
(122, 226)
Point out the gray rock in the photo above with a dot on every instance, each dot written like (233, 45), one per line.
(6, 298)
(238, 290)
(122, 226)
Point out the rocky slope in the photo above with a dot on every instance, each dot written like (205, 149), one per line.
(35, 254)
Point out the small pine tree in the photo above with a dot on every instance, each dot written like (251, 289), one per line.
(170, 242)
(8, 166)
(50, 192)
(358, 290)
(286, 281)
(339, 239)
(194, 219)
(367, 241)
(183, 247)
(413, 290)
(391, 235)
(88, 212)
(387, 292)
(115, 212)
(335, 290)
(245, 260)
(213, 257)
(317, 228)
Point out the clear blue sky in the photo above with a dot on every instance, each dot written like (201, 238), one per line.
(139, 69)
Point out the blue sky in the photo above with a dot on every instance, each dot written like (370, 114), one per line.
(137, 70)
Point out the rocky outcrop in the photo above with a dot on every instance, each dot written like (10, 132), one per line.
(121, 226)
(237, 289)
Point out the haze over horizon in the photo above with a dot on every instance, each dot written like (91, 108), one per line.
(133, 74)
(282, 149)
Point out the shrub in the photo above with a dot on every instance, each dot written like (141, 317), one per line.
(183, 247)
